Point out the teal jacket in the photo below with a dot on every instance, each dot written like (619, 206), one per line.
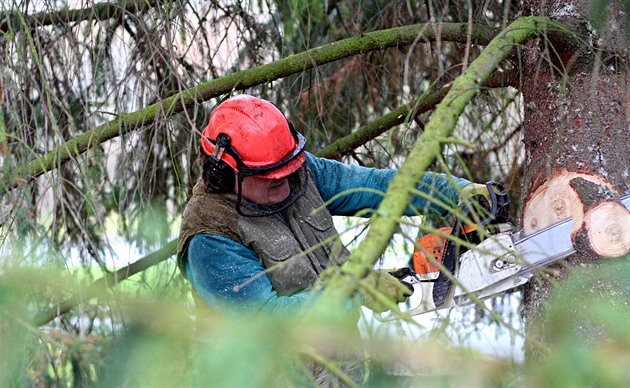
(215, 265)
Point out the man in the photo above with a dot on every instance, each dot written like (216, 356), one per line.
(258, 230)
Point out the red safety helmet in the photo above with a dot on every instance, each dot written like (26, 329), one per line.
(253, 137)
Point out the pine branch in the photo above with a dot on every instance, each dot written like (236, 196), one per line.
(11, 21)
(429, 145)
(129, 122)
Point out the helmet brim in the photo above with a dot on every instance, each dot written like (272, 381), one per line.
(286, 170)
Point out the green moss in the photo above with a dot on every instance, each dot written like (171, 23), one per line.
(126, 123)
(426, 149)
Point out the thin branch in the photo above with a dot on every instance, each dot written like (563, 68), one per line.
(385, 221)
(129, 122)
(99, 286)
(100, 11)
(427, 102)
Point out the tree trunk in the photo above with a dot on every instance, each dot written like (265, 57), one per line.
(576, 132)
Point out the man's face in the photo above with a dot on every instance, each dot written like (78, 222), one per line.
(265, 191)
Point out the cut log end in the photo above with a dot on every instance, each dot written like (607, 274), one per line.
(601, 223)
(556, 200)
(607, 228)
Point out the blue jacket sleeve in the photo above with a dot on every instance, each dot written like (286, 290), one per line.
(228, 275)
(351, 188)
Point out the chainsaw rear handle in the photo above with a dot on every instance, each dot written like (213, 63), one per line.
(499, 204)
(498, 209)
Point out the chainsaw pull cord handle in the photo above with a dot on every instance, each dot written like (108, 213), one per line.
(404, 273)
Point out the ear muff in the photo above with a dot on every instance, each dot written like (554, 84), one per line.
(219, 175)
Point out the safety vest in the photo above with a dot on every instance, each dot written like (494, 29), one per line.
(296, 245)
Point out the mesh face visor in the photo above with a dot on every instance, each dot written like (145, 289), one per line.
(298, 181)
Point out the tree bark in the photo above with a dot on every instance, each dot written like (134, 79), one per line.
(576, 132)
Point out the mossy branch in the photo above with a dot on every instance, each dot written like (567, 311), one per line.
(377, 127)
(428, 146)
(99, 286)
(99, 11)
(126, 123)
(405, 113)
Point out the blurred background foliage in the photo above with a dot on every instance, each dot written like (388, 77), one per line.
(69, 66)
(146, 341)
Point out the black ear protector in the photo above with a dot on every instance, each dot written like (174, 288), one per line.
(219, 176)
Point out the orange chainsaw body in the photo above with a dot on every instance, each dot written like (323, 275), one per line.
(430, 250)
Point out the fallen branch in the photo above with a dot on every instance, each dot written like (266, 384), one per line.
(101, 285)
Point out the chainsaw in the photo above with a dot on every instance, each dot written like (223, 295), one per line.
(468, 263)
